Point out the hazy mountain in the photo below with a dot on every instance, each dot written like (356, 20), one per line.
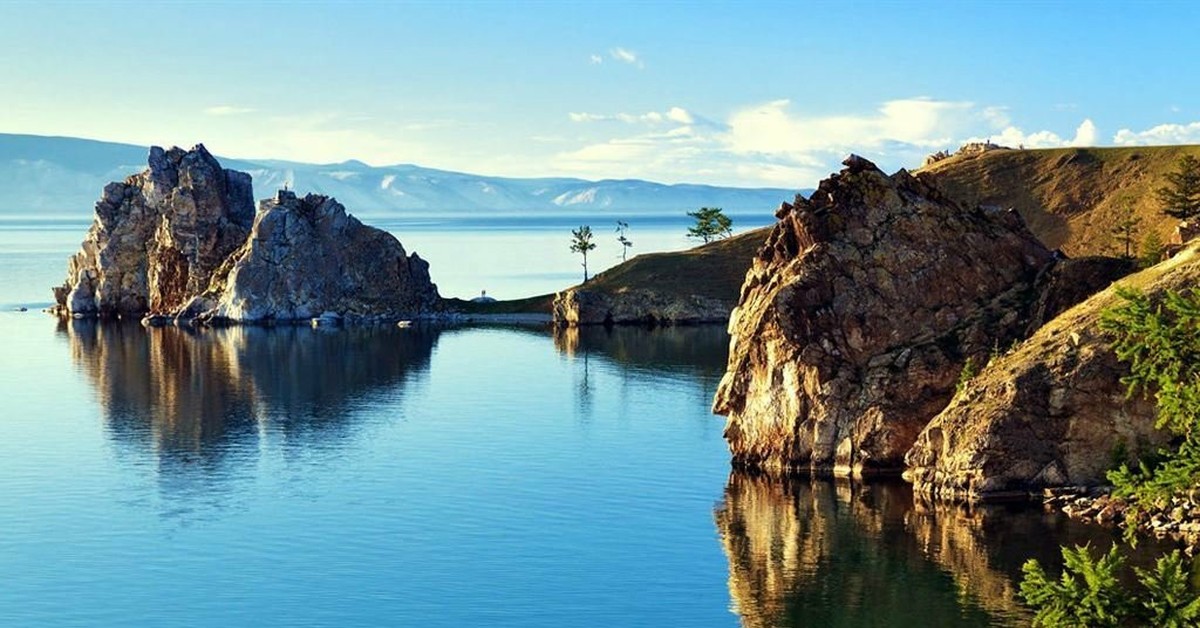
(63, 175)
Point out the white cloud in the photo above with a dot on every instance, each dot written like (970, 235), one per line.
(773, 143)
(625, 55)
(596, 60)
(1086, 134)
(677, 115)
(1161, 134)
(227, 110)
(918, 123)
(680, 115)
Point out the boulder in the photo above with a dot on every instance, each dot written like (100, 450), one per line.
(858, 315)
(1051, 412)
(305, 258)
(158, 236)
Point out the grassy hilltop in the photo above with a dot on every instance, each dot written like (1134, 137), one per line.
(714, 270)
(1070, 197)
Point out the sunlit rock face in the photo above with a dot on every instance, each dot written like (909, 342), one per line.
(827, 553)
(1052, 411)
(858, 315)
(306, 256)
(182, 240)
(158, 236)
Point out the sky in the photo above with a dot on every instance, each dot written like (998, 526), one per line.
(725, 93)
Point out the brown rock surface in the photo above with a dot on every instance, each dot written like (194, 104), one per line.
(305, 257)
(858, 314)
(182, 240)
(1051, 412)
(158, 236)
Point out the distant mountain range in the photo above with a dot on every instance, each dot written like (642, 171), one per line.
(62, 175)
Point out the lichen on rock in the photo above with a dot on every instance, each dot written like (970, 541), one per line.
(858, 314)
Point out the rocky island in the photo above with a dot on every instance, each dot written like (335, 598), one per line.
(181, 241)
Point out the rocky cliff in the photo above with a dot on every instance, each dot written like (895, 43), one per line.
(1051, 412)
(306, 256)
(858, 314)
(158, 236)
(182, 240)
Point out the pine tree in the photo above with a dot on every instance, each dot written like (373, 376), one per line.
(581, 242)
(1180, 197)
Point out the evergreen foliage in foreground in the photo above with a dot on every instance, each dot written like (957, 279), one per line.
(1090, 593)
(1161, 343)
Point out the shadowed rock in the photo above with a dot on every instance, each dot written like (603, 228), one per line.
(1051, 412)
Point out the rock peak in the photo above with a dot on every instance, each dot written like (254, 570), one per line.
(857, 316)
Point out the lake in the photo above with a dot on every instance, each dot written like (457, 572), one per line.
(477, 476)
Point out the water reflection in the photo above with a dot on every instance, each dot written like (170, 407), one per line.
(197, 394)
(695, 351)
(826, 553)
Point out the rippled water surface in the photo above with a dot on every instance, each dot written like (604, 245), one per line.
(454, 477)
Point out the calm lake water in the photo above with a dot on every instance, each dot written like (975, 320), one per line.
(437, 477)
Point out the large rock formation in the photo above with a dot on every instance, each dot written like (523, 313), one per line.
(858, 315)
(1051, 412)
(158, 236)
(306, 256)
(182, 240)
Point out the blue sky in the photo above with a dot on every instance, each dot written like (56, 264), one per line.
(725, 93)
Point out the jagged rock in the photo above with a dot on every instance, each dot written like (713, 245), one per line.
(579, 306)
(181, 240)
(305, 258)
(1051, 412)
(858, 314)
(158, 236)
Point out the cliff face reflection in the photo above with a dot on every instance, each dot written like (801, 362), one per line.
(825, 553)
(188, 393)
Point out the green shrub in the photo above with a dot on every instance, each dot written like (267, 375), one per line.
(1090, 593)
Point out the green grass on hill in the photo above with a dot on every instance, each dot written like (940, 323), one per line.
(714, 270)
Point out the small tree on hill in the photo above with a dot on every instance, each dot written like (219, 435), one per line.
(626, 243)
(711, 223)
(1125, 229)
(581, 242)
(1151, 251)
(1180, 197)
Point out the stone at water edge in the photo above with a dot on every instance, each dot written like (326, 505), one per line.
(305, 258)
(158, 236)
(858, 314)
